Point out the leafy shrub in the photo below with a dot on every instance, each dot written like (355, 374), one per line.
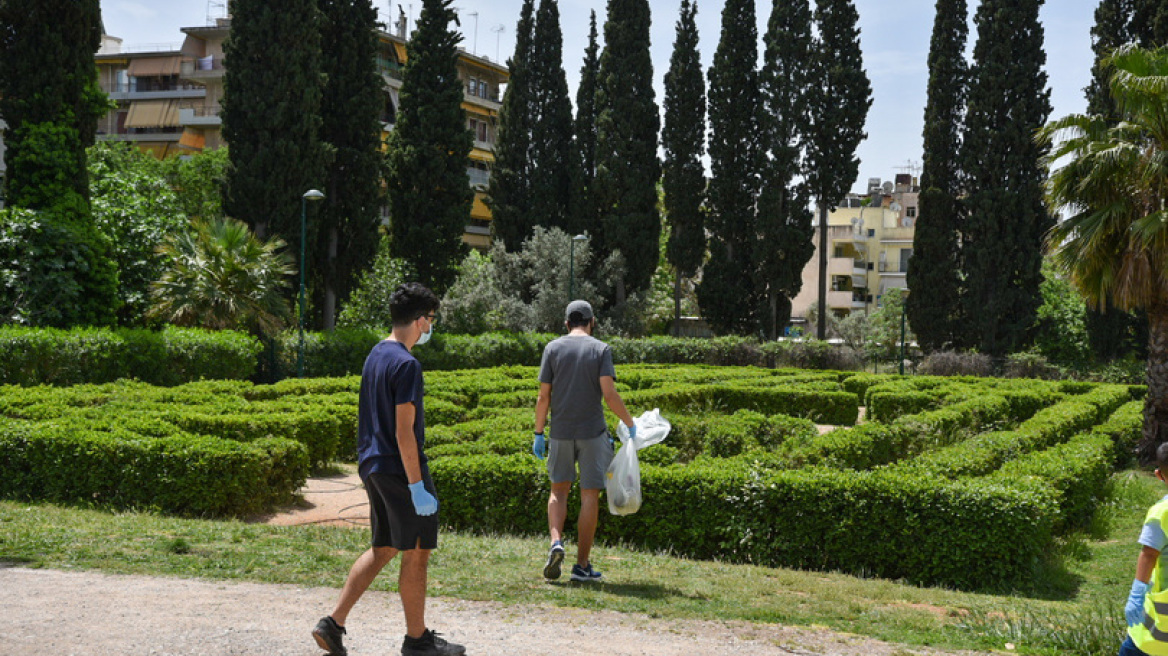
(97, 355)
(952, 363)
(184, 474)
(970, 534)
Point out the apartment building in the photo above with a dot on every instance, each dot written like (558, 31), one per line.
(149, 91)
(169, 101)
(870, 238)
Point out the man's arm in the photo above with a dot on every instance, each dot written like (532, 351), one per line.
(542, 403)
(1146, 563)
(614, 401)
(407, 442)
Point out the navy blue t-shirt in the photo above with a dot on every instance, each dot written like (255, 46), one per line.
(391, 377)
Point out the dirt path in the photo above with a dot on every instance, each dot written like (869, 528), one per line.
(81, 613)
(87, 613)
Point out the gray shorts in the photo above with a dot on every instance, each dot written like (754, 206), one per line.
(593, 455)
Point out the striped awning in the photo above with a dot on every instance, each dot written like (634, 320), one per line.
(155, 66)
(153, 114)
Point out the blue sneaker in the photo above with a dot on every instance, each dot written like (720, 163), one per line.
(585, 573)
(551, 571)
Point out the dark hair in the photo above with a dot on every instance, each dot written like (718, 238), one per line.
(579, 323)
(410, 301)
(1162, 458)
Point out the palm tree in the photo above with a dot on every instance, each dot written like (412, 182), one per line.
(220, 276)
(1113, 190)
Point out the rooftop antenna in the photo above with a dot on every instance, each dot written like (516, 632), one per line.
(910, 167)
(475, 48)
(216, 9)
(498, 30)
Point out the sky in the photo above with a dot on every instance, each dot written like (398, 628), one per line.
(894, 37)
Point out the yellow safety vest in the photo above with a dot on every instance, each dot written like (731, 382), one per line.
(1152, 636)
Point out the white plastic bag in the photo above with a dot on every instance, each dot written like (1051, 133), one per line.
(623, 480)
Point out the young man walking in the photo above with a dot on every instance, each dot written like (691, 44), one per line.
(575, 374)
(403, 504)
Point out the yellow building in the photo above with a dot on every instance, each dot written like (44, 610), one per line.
(870, 239)
(169, 101)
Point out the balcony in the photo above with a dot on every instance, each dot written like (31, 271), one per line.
(199, 116)
(202, 68)
(840, 266)
(893, 235)
(839, 300)
(478, 177)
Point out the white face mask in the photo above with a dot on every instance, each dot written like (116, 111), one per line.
(425, 337)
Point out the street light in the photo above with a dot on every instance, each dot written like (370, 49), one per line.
(903, 304)
(311, 194)
(572, 266)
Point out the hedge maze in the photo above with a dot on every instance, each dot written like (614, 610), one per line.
(962, 482)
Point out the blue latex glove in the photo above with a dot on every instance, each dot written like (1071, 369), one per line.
(1134, 611)
(424, 502)
(539, 446)
(632, 431)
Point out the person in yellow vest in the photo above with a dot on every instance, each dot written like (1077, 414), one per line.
(1147, 605)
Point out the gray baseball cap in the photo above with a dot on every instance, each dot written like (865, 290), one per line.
(578, 311)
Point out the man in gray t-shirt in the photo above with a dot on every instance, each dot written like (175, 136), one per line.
(576, 373)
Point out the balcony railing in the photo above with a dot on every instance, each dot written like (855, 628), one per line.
(478, 177)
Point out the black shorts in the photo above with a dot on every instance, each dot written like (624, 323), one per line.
(392, 517)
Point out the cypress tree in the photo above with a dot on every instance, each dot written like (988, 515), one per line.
(934, 306)
(586, 218)
(683, 138)
(509, 196)
(271, 115)
(1149, 23)
(61, 272)
(839, 98)
(351, 125)
(554, 163)
(726, 293)
(627, 123)
(429, 191)
(1006, 218)
(784, 220)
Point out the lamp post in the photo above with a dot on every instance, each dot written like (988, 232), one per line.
(311, 194)
(572, 266)
(903, 303)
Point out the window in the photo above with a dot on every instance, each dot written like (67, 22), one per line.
(483, 89)
(910, 212)
(905, 256)
(478, 128)
(472, 87)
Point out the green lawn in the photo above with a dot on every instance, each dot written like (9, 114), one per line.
(1074, 604)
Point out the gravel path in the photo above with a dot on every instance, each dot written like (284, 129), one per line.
(82, 613)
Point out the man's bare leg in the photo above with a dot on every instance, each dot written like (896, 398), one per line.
(361, 575)
(586, 525)
(412, 586)
(558, 509)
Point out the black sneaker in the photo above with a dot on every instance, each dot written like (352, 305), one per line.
(328, 635)
(586, 574)
(430, 645)
(551, 570)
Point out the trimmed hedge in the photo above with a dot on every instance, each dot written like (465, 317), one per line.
(47, 356)
(971, 533)
(183, 474)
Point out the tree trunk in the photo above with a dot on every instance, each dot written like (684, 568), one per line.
(821, 328)
(1156, 403)
(774, 305)
(330, 290)
(677, 304)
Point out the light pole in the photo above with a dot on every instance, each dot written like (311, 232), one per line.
(572, 267)
(311, 194)
(903, 303)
